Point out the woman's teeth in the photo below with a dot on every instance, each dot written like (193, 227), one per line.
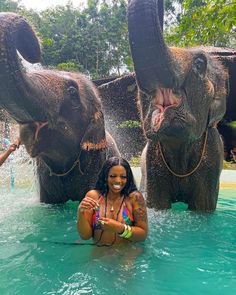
(117, 186)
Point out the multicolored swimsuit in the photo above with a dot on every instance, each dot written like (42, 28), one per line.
(126, 215)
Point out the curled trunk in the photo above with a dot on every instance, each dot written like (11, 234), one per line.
(153, 61)
(15, 91)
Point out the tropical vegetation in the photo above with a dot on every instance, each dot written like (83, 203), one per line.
(94, 39)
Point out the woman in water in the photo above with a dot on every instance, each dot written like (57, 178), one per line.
(114, 212)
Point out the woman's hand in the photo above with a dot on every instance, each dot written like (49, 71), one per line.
(87, 204)
(14, 145)
(111, 225)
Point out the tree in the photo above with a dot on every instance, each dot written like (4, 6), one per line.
(205, 22)
(93, 40)
(9, 5)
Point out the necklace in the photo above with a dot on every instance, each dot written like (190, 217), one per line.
(112, 209)
(117, 215)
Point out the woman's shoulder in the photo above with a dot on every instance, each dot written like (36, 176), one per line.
(136, 196)
(93, 194)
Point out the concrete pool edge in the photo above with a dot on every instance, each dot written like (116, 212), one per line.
(227, 178)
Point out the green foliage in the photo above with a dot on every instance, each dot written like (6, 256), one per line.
(47, 42)
(94, 39)
(8, 5)
(68, 66)
(135, 161)
(204, 22)
(129, 124)
(232, 124)
(229, 165)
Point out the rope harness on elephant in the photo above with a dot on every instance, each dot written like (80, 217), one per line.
(76, 162)
(198, 164)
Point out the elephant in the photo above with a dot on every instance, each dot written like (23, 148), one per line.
(119, 91)
(59, 113)
(182, 97)
(119, 105)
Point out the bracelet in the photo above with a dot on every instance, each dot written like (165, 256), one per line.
(127, 233)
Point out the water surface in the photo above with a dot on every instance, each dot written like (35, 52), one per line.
(185, 253)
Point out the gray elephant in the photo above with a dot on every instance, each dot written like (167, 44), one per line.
(182, 97)
(122, 91)
(60, 116)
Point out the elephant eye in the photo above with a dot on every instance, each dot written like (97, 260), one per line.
(200, 65)
(62, 125)
(74, 96)
(72, 90)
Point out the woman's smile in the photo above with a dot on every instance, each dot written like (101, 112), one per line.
(117, 178)
(117, 186)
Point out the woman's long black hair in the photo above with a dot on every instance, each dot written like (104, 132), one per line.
(101, 184)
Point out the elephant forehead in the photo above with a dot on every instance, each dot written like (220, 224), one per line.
(183, 58)
(52, 82)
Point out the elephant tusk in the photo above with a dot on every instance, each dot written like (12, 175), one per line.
(39, 126)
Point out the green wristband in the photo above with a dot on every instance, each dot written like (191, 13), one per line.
(129, 232)
(124, 233)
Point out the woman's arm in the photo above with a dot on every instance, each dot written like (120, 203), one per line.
(4, 156)
(85, 213)
(140, 228)
(7, 153)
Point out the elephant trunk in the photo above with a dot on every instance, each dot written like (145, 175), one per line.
(15, 91)
(153, 61)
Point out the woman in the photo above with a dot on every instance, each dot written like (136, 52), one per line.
(114, 212)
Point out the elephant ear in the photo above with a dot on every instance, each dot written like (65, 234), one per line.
(95, 137)
(227, 57)
(221, 91)
(216, 112)
(229, 63)
(218, 105)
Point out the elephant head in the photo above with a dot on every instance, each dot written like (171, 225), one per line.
(182, 97)
(75, 124)
(182, 91)
(60, 115)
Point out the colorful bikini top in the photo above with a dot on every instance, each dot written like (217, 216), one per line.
(126, 215)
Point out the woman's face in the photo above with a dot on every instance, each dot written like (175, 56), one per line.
(117, 178)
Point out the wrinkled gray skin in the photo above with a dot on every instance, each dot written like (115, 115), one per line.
(60, 116)
(120, 91)
(182, 94)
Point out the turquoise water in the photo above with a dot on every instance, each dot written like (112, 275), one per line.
(185, 253)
